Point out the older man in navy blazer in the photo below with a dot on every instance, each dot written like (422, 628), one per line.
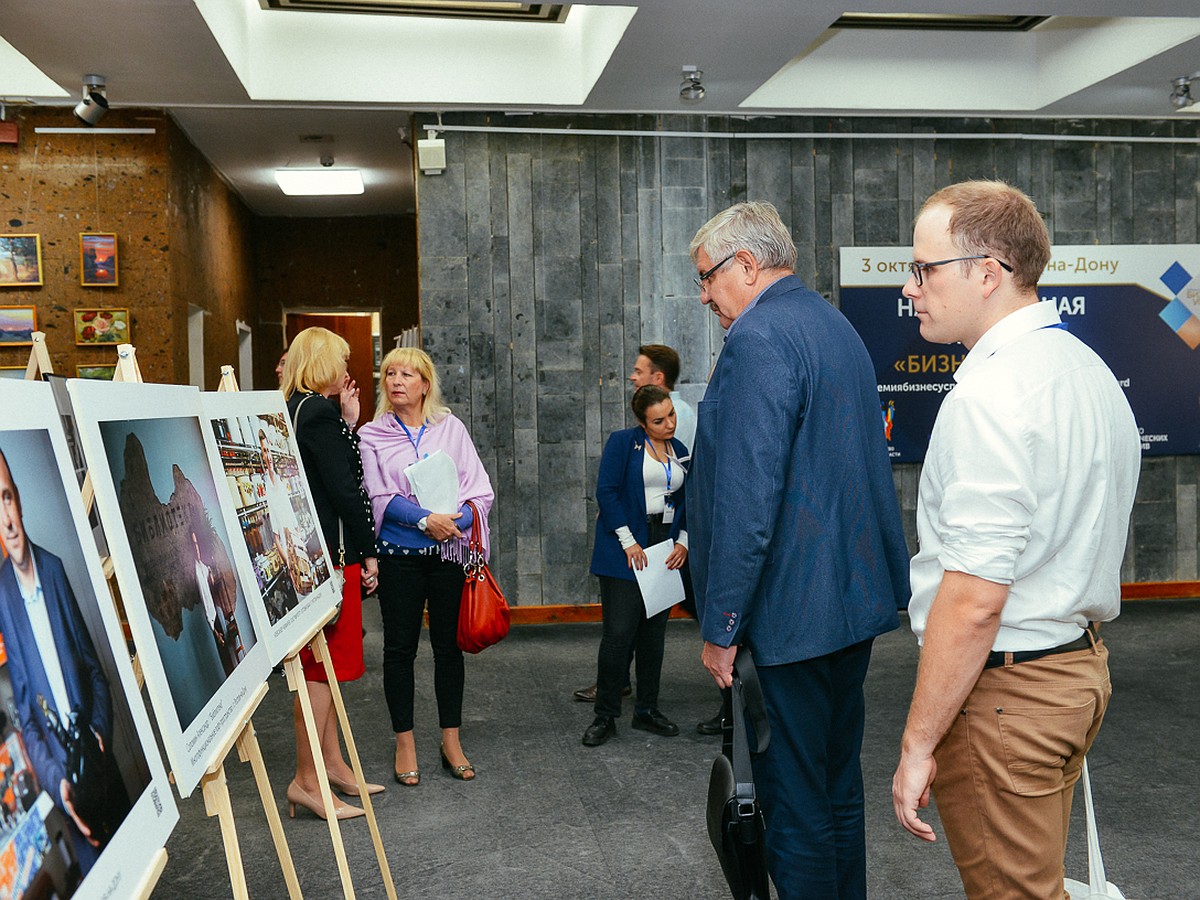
(797, 546)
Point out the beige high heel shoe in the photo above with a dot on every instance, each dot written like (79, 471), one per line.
(298, 796)
(350, 788)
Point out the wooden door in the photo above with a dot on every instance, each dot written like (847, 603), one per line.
(356, 329)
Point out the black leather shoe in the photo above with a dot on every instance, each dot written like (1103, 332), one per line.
(711, 726)
(655, 722)
(601, 729)
(588, 694)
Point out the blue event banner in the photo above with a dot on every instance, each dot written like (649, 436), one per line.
(1137, 306)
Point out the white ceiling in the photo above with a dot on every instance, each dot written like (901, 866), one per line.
(246, 84)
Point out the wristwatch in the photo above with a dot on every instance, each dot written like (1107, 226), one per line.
(422, 523)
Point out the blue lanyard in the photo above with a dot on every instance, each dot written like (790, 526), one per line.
(415, 443)
(666, 465)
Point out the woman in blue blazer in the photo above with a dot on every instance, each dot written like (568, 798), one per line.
(640, 494)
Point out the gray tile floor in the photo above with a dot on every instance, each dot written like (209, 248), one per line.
(550, 818)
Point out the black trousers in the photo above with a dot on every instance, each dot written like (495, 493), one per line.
(406, 585)
(627, 629)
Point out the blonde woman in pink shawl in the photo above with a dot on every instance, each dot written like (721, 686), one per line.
(421, 553)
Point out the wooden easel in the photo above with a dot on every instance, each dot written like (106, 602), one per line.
(294, 670)
(39, 365)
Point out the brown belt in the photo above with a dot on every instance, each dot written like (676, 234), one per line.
(997, 658)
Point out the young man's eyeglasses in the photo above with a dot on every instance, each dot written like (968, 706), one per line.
(915, 268)
(700, 279)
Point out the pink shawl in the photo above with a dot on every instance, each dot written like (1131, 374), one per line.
(386, 452)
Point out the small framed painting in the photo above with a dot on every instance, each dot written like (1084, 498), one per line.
(96, 373)
(20, 260)
(102, 326)
(17, 372)
(98, 260)
(17, 325)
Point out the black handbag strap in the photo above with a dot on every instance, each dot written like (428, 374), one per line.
(754, 705)
(746, 699)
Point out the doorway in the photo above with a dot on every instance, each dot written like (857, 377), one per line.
(361, 331)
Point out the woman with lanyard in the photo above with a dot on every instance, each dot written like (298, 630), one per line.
(421, 552)
(639, 491)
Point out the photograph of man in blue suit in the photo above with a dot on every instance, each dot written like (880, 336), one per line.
(797, 546)
(60, 692)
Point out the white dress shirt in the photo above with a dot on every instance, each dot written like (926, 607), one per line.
(43, 636)
(685, 421)
(206, 597)
(1029, 481)
(654, 482)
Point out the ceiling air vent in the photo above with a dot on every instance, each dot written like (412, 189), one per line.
(938, 22)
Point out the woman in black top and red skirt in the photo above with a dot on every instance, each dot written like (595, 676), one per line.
(315, 385)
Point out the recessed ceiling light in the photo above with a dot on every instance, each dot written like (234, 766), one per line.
(491, 9)
(319, 182)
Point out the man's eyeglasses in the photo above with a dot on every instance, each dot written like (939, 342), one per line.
(700, 279)
(915, 268)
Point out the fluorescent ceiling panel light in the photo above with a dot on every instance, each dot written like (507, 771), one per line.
(976, 72)
(532, 12)
(319, 182)
(349, 58)
(21, 78)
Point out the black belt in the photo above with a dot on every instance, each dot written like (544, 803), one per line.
(997, 658)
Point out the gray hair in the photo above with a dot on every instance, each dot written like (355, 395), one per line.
(754, 226)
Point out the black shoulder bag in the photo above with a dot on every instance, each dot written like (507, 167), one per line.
(735, 819)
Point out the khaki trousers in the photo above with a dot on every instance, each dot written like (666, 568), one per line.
(1006, 772)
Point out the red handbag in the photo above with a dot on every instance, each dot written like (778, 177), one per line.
(483, 615)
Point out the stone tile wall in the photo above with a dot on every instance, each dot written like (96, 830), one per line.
(545, 260)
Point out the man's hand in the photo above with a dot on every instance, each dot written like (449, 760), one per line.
(64, 788)
(961, 628)
(910, 792)
(719, 662)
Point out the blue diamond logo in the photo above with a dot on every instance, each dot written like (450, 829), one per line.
(1175, 314)
(1175, 278)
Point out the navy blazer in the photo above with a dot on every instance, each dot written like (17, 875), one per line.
(796, 545)
(621, 494)
(87, 688)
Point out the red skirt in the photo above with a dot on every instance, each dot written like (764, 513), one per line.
(344, 637)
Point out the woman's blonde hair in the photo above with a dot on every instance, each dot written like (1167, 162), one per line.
(316, 360)
(433, 408)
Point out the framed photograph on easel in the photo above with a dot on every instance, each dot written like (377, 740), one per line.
(76, 748)
(153, 468)
(98, 260)
(273, 513)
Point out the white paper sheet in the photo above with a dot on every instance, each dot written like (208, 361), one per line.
(434, 480)
(661, 587)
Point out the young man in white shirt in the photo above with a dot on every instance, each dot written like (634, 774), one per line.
(1022, 517)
